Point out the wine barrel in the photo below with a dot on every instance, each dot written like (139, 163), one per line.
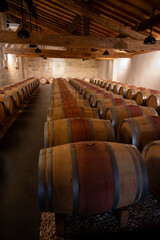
(43, 80)
(66, 95)
(50, 80)
(3, 114)
(9, 103)
(86, 94)
(142, 96)
(118, 113)
(71, 112)
(16, 97)
(63, 103)
(90, 177)
(77, 130)
(111, 85)
(103, 104)
(27, 90)
(139, 131)
(105, 84)
(131, 93)
(107, 95)
(123, 90)
(153, 101)
(116, 88)
(151, 155)
(21, 93)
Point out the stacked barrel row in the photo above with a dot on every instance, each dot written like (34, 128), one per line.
(143, 96)
(82, 169)
(13, 96)
(111, 106)
(141, 131)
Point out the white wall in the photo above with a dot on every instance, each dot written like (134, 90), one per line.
(106, 69)
(141, 70)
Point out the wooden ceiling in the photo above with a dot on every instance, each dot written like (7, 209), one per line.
(98, 25)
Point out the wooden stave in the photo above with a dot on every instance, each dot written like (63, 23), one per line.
(151, 158)
(70, 130)
(102, 107)
(114, 113)
(136, 126)
(3, 114)
(78, 206)
(53, 114)
(9, 103)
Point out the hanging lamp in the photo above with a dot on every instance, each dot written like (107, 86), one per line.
(23, 33)
(150, 39)
(37, 50)
(106, 53)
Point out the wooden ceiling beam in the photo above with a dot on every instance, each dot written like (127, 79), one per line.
(78, 41)
(85, 26)
(119, 28)
(75, 23)
(63, 54)
(47, 8)
(147, 23)
(41, 23)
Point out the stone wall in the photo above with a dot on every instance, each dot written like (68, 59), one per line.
(10, 74)
(54, 67)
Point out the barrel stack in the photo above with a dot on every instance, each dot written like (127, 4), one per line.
(82, 167)
(13, 98)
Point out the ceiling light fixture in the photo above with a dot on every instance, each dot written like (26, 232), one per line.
(3, 6)
(23, 33)
(37, 50)
(106, 53)
(32, 46)
(150, 39)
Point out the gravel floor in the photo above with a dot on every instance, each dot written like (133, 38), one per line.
(144, 217)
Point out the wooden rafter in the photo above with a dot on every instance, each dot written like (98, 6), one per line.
(119, 28)
(40, 23)
(78, 41)
(63, 54)
(75, 23)
(85, 26)
(147, 23)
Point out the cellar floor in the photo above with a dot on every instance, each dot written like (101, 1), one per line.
(19, 152)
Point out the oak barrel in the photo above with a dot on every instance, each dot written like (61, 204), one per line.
(123, 90)
(153, 101)
(103, 104)
(71, 112)
(63, 103)
(151, 155)
(70, 130)
(117, 113)
(16, 97)
(21, 93)
(131, 93)
(9, 103)
(139, 130)
(3, 114)
(142, 96)
(43, 80)
(90, 177)
(107, 95)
